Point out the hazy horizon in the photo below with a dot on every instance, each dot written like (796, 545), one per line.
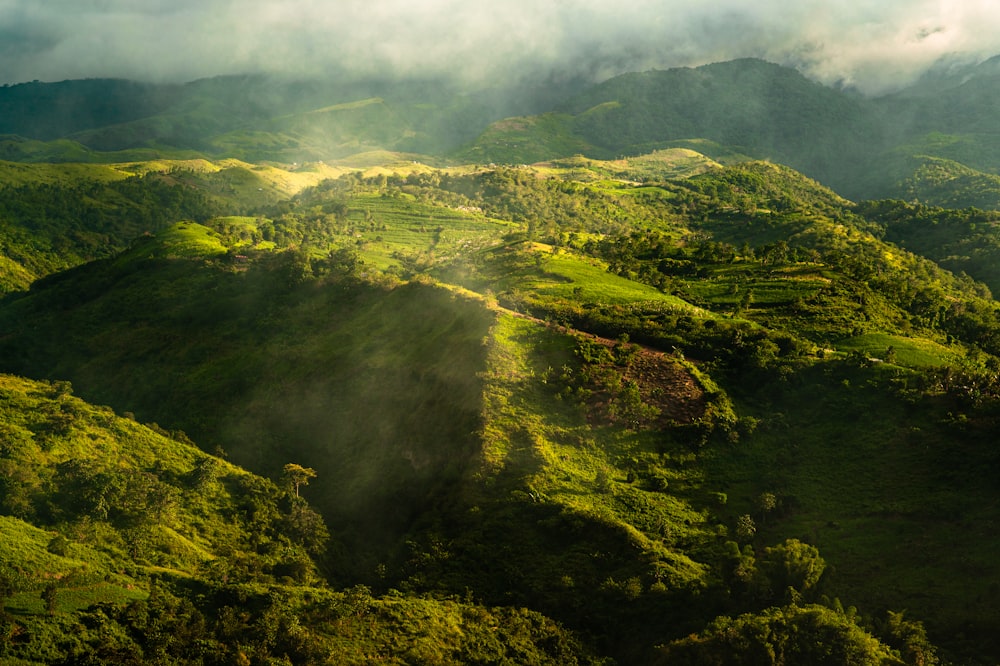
(871, 45)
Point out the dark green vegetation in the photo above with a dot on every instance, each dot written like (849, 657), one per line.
(897, 145)
(934, 141)
(680, 408)
(247, 117)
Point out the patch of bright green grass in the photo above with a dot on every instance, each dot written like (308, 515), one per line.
(184, 536)
(729, 284)
(569, 276)
(16, 174)
(24, 548)
(390, 230)
(187, 240)
(540, 445)
(909, 352)
(13, 276)
(74, 598)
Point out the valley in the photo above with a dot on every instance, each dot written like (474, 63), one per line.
(320, 382)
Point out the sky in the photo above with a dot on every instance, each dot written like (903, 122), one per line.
(873, 45)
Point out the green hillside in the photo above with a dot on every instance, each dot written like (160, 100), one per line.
(121, 492)
(254, 118)
(900, 145)
(863, 147)
(126, 543)
(964, 241)
(646, 410)
(748, 105)
(54, 216)
(695, 366)
(940, 182)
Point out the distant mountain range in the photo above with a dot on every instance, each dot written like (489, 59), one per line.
(862, 147)
(584, 374)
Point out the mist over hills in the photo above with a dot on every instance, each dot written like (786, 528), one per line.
(691, 366)
(260, 117)
(858, 145)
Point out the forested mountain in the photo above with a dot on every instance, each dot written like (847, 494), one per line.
(648, 399)
(861, 146)
(864, 147)
(251, 117)
(762, 109)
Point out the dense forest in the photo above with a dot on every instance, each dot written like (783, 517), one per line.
(682, 407)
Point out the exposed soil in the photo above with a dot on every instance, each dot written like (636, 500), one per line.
(663, 383)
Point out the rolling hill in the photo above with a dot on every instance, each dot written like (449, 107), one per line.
(600, 386)
(629, 413)
(862, 147)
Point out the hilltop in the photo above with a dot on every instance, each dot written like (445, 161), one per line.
(863, 147)
(744, 109)
(643, 378)
(255, 118)
(617, 399)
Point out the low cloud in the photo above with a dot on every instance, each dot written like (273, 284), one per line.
(871, 44)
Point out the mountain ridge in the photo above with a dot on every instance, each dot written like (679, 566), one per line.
(685, 406)
(751, 106)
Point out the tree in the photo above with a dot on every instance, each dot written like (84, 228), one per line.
(745, 301)
(204, 472)
(745, 527)
(306, 527)
(782, 635)
(58, 545)
(767, 502)
(297, 475)
(910, 638)
(890, 354)
(792, 564)
(50, 596)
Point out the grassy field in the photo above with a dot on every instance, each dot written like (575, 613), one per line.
(15, 174)
(184, 240)
(909, 352)
(75, 598)
(394, 230)
(726, 286)
(553, 275)
(666, 164)
(288, 179)
(24, 548)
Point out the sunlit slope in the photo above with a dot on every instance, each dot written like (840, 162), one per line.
(390, 394)
(113, 531)
(54, 216)
(114, 496)
(586, 418)
(380, 389)
(563, 501)
(668, 163)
